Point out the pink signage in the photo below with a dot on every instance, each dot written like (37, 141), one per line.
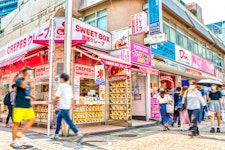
(140, 54)
(202, 64)
(115, 64)
(139, 23)
(155, 112)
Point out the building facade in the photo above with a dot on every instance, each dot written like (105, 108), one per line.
(218, 28)
(133, 71)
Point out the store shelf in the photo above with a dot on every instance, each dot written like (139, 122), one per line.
(39, 111)
(87, 111)
(119, 109)
(90, 122)
(84, 117)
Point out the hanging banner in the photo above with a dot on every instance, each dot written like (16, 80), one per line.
(120, 39)
(99, 75)
(155, 16)
(140, 54)
(139, 23)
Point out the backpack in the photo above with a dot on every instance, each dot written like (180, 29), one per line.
(7, 99)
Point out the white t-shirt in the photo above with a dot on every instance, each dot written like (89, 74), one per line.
(164, 100)
(65, 95)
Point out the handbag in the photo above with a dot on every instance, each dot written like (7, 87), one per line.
(169, 108)
(223, 115)
(184, 118)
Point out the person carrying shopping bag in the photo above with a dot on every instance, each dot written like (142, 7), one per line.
(163, 100)
(215, 106)
(192, 101)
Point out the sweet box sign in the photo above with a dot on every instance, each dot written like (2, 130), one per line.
(140, 54)
(139, 23)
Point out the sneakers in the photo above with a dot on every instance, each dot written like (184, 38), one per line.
(212, 130)
(218, 130)
(54, 137)
(21, 138)
(15, 144)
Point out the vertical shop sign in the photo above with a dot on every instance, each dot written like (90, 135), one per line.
(166, 50)
(183, 56)
(155, 112)
(139, 23)
(140, 54)
(77, 88)
(99, 75)
(120, 39)
(155, 16)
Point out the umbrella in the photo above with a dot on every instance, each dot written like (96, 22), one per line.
(209, 82)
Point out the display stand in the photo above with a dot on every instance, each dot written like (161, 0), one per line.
(120, 99)
(89, 111)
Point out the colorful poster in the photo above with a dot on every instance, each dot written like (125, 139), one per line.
(155, 110)
(166, 50)
(120, 39)
(139, 23)
(76, 88)
(201, 63)
(155, 16)
(99, 75)
(183, 56)
(140, 54)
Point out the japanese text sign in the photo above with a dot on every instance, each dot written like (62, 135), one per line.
(140, 54)
(84, 71)
(166, 50)
(155, 16)
(139, 23)
(42, 71)
(99, 75)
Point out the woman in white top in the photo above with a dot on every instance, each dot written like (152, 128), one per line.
(163, 100)
(192, 101)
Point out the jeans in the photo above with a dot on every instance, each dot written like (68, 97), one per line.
(193, 116)
(10, 108)
(176, 116)
(64, 114)
(166, 118)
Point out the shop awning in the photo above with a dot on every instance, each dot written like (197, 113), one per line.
(103, 57)
(12, 60)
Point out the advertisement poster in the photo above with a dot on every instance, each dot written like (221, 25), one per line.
(140, 54)
(76, 88)
(155, 110)
(139, 23)
(155, 16)
(99, 75)
(200, 63)
(42, 71)
(102, 92)
(120, 39)
(166, 50)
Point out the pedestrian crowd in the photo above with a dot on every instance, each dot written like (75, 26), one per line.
(189, 105)
(18, 102)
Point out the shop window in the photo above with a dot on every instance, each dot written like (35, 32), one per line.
(203, 52)
(199, 50)
(166, 29)
(195, 48)
(190, 45)
(172, 35)
(179, 40)
(98, 19)
(185, 42)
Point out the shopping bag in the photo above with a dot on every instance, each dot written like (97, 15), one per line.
(169, 108)
(223, 115)
(184, 119)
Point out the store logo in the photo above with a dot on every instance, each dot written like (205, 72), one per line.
(183, 55)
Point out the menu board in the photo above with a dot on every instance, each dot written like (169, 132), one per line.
(155, 110)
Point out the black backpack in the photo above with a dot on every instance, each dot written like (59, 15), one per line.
(7, 99)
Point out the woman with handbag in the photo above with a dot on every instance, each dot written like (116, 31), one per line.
(215, 106)
(192, 102)
(165, 101)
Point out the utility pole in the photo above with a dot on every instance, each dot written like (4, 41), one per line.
(67, 48)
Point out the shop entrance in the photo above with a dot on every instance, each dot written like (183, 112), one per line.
(139, 96)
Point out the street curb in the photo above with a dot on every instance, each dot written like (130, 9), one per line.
(125, 128)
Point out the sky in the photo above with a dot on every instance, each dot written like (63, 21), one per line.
(212, 10)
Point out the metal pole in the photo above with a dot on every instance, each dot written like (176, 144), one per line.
(51, 53)
(67, 47)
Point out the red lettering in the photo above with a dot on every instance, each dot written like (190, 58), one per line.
(183, 55)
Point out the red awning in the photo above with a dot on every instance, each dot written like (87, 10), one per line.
(104, 57)
(13, 60)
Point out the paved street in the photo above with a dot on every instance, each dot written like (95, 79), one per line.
(145, 138)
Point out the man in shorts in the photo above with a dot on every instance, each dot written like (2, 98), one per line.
(64, 95)
(22, 108)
